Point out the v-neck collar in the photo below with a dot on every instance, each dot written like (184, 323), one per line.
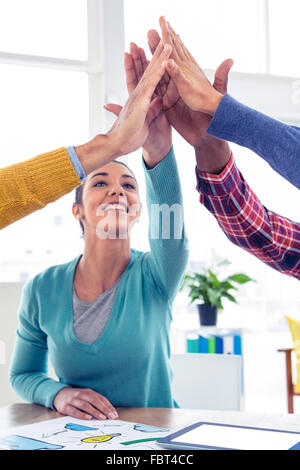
(98, 344)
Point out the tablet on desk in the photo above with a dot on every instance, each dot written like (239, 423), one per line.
(216, 436)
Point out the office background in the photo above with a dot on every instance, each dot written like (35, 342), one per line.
(62, 60)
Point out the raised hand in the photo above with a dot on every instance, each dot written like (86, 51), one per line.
(159, 138)
(192, 84)
(131, 127)
(191, 125)
(212, 154)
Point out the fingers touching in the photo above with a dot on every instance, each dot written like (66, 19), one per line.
(192, 84)
(172, 73)
(165, 33)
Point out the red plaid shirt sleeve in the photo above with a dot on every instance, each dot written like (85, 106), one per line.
(273, 239)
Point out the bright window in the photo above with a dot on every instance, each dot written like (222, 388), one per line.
(213, 30)
(41, 109)
(54, 28)
(284, 37)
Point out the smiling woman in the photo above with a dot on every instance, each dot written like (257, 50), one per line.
(108, 340)
(107, 298)
(133, 185)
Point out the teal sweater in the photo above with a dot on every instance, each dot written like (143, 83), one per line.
(129, 362)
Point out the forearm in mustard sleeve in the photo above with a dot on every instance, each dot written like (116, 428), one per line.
(30, 185)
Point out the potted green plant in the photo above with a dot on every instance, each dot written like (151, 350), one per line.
(209, 291)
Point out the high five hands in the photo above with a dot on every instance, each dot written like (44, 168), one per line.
(189, 99)
(131, 128)
(158, 133)
(182, 98)
(192, 84)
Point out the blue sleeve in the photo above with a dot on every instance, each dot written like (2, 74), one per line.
(76, 163)
(168, 257)
(29, 366)
(277, 143)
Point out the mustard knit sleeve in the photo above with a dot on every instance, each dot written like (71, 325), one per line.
(30, 185)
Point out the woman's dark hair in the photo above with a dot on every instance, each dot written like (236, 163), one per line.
(79, 191)
(78, 199)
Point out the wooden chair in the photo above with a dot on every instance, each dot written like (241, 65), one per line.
(289, 379)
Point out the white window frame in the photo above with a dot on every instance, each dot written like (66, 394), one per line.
(104, 65)
(277, 96)
(273, 95)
